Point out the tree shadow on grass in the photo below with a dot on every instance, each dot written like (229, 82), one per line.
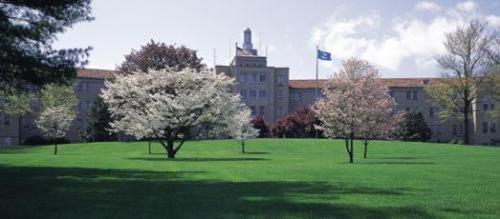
(198, 159)
(394, 162)
(257, 152)
(399, 158)
(29, 192)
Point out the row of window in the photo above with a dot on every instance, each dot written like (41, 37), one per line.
(6, 141)
(488, 106)
(248, 77)
(262, 110)
(252, 94)
(297, 96)
(410, 95)
(83, 86)
(84, 105)
(491, 127)
(5, 120)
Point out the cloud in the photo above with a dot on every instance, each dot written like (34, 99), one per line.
(493, 20)
(467, 6)
(427, 6)
(391, 42)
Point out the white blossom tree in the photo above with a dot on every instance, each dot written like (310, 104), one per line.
(240, 126)
(353, 103)
(172, 104)
(54, 122)
(58, 113)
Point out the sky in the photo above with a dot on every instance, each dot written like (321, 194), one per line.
(400, 38)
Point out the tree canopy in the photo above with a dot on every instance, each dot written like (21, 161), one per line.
(158, 56)
(27, 30)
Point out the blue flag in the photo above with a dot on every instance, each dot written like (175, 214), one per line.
(324, 55)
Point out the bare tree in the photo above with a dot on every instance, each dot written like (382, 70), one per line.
(465, 66)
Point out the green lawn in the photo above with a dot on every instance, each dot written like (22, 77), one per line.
(293, 178)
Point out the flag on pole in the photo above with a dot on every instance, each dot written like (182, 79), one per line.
(324, 55)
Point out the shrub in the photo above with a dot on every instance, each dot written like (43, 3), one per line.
(260, 124)
(411, 128)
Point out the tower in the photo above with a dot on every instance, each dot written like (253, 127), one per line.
(247, 40)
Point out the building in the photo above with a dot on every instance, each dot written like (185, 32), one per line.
(87, 85)
(263, 88)
(269, 92)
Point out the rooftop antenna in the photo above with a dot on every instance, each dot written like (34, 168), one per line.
(266, 51)
(260, 43)
(215, 59)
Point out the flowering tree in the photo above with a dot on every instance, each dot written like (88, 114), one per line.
(54, 122)
(58, 103)
(376, 108)
(346, 111)
(170, 103)
(241, 128)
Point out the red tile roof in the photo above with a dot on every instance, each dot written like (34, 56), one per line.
(297, 84)
(95, 73)
(391, 82)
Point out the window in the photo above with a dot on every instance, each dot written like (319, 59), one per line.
(408, 95)
(279, 111)
(6, 120)
(262, 78)
(7, 141)
(299, 96)
(262, 110)
(280, 80)
(254, 77)
(252, 108)
(253, 94)
(262, 94)
(391, 93)
(243, 77)
(454, 129)
(485, 107)
(485, 127)
(243, 94)
(83, 86)
(415, 94)
(493, 127)
(280, 93)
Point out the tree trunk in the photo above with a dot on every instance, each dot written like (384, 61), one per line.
(242, 146)
(149, 145)
(466, 123)
(55, 146)
(366, 147)
(351, 154)
(20, 130)
(170, 148)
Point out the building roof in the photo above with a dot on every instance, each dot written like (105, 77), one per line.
(95, 73)
(390, 82)
(297, 84)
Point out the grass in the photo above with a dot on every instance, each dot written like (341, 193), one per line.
(292, 178)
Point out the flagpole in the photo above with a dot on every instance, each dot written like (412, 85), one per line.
(317, 83)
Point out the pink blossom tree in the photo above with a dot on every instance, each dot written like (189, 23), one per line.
(355, 104)
(376, 108)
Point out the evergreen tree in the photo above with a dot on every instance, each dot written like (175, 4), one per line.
(97, 126)
(27, 30)
(412, 127)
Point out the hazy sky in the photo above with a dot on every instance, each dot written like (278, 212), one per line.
(401, 38)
